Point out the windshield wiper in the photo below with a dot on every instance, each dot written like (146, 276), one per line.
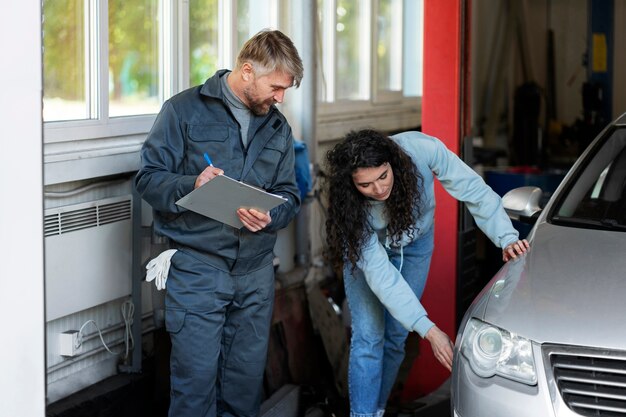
(603, 224)
(613, 224)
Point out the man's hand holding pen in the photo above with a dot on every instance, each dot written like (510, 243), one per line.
(208, 174)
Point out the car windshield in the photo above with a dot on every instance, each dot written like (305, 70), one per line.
(597, 198)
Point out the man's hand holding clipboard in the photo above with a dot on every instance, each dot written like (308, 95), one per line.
(232, 202)
(254, 220)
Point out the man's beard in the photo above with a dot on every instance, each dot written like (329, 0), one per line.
(258, 108)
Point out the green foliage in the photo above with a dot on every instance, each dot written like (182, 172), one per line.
(384, 43)
(347, 48)
(133, 47)
(203, 43)
(63, 49)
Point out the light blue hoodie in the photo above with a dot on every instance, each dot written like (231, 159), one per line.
(432, 159)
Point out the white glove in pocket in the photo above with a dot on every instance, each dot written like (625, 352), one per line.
(158, 268)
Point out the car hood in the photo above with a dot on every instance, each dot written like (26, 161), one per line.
(569, 288)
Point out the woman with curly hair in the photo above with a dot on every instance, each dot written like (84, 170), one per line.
(379, 230)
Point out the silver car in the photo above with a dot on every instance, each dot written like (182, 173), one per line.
(547, 335)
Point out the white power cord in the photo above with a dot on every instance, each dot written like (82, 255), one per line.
(128, 309)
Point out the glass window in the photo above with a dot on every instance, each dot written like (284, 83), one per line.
(154, 49)
(65, 70)
(413, 47)
(597, 197)
(326, 53)
(389, 36)
(203, 40)
(253, 16)
(218, 30)
(352, 43)
(371, 50)
(243, 22)
(133, 57)
(371, 65)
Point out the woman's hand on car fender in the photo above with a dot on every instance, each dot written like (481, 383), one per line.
(441, 345)
(516, 248)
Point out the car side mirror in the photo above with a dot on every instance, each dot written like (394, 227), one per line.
(522, 204)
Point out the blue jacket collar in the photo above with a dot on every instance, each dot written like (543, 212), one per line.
(212, 87)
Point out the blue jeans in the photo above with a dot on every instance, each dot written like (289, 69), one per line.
(377, 343)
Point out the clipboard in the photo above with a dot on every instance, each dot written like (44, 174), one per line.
(220, 198)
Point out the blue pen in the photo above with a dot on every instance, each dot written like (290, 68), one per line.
(208, 160)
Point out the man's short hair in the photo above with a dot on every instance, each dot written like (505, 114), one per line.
(269, 51)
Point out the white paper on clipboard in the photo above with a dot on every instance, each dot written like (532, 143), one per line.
(220, 198)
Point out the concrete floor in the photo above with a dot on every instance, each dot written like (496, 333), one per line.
(133, 396)
(436, 404)
(147, 393)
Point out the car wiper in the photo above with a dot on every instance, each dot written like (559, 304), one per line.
(613, 224)
(604, 224)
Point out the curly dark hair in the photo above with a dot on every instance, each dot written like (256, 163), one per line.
(346, 223)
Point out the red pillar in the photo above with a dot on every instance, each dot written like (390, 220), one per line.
(443, 116)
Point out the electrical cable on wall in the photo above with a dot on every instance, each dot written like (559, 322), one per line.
(128, 309)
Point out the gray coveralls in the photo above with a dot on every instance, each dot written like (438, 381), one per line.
(220, 288)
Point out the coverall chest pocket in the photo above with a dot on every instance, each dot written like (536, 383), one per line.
(266, 164)
(211, 139)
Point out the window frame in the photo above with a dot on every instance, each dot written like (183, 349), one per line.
(384, 109)
(103, 145)
(100, 124)
(82, 149)
(173, 67)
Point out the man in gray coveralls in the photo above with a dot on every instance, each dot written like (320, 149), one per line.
(220, 286)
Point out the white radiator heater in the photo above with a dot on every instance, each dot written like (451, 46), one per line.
(88, 254)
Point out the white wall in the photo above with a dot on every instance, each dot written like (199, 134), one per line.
(22, 351)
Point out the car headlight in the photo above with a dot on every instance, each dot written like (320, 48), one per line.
(491, 350)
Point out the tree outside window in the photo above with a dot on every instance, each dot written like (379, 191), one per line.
(65, 76)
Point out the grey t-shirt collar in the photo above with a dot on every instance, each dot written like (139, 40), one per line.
(230, 96)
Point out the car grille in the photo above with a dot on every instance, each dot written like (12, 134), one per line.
(591, 382)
